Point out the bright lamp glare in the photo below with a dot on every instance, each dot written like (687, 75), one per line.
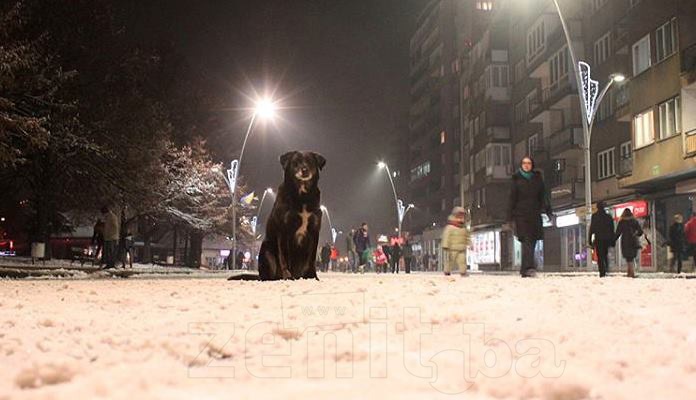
(265, 108)
(382, 165)
(618, 78)
(269, 190)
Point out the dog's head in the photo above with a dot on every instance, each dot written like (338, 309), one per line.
(302, 168)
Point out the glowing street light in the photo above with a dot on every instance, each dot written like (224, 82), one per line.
(265, 109)
(334, 233)
(401, 210)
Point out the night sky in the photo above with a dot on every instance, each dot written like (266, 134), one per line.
(340, 68)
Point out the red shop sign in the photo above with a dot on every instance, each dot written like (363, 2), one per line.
(639, 209)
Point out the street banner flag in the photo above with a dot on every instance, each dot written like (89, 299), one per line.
(248, 199)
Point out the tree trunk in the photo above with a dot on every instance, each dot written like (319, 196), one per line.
(174, 244)
(186, 248)
(196, 249)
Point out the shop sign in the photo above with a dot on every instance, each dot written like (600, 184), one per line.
(639, 209)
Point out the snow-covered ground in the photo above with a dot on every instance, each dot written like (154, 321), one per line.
(369, 336)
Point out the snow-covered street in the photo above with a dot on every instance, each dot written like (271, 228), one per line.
(368, 336)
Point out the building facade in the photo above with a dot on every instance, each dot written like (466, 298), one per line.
(518, 96)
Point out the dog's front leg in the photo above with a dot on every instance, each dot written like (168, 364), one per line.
(283, 260)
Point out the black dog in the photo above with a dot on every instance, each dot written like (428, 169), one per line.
(289, 250)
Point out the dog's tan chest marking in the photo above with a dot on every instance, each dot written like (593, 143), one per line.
(301, 232)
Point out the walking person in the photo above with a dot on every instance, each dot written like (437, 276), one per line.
(350, 250)
(455, 241)
(601, 237)
(690, 233)
(381, 259)
(98, 242)
(630, 232)
(677, 242)
(334, 258)
(395, 257)
(528, 199)
(112, 234)
(407, 252)
(362, 245)
(325, 257)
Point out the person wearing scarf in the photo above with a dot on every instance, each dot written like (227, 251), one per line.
(528, 199)
(455, 241)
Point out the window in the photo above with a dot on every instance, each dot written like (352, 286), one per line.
(606, 108)
(536, 40)
(484, 5)
(605, 164)
(519, 71)
(666, 40)
(559, 66)
(602, 48)
(443, 137)
(420, 171)
(498, 76)
(521, 111)
(670, 118)
(643, 129)
(641, 55)
(626, 151)
(498, 155)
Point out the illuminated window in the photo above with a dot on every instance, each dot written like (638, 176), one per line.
(641, 55)
(666, 40)
(443, 137)
(484, 5)
(643, 129)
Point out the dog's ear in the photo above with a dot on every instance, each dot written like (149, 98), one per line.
(285, 159)
(320, 160)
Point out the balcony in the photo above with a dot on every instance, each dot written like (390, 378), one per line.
(499, 172)
(498, 132)
(557, 90)
(570, 138)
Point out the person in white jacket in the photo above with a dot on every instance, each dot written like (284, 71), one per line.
(112, 234)
(455, 241)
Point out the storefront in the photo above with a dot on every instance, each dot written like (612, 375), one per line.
(641, 211)
(485, 253)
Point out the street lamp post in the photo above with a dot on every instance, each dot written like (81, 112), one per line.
(590, 99)
(401, 210)
(255, 221)
(264, 109)
(331, 228)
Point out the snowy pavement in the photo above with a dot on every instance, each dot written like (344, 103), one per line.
(347, 336)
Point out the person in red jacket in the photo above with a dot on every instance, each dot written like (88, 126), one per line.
(690, 233)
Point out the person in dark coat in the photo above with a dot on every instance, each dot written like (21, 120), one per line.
(395, 257)
(528, 199)
(325, 257)
(407, 252)
(362, 244)
(629, 231)
(677, 242)
(601, 237)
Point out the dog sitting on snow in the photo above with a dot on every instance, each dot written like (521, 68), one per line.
(289, 250)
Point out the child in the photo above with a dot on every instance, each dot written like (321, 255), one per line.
(380, 259)
(455, 241)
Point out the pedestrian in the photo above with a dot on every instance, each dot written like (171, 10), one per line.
(528, 199)
(334, 258)
(128, 244)
(630, 232)
(601, 237)
(362, 245)
(677, 242)
(455, 241)
(395, 257)
(239, 260)
(350, 250)
(112, 234)
(325, 257)
(98, 242)
(690, 233)
(381, 260)
(407, 252)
